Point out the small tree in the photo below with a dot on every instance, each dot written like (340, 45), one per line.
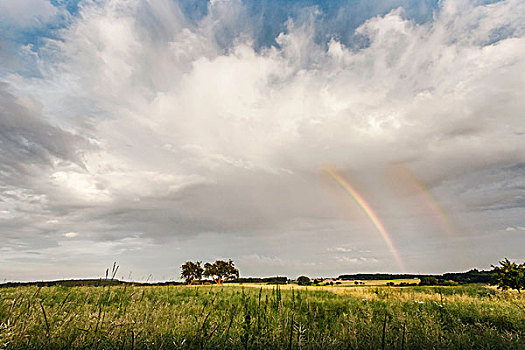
(221, 271)
(191, 271)
(303, 281)
(510, 275)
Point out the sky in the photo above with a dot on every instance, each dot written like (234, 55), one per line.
(294, 137)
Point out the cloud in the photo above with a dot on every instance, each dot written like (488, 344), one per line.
(26, 13)
(340, 250)
(28, 141)
(356, 260)
(71, 234)
(146, 121)
(31, 150)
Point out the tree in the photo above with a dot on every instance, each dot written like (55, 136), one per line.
(428, 281)
(303, 281)
(221, 271)
(191, 271)
(510, 275)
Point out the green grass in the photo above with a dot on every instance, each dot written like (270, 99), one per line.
(261, 317)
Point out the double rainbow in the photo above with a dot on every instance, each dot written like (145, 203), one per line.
(369, 212)
(426, 197)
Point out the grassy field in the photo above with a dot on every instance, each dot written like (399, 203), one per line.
(261, 317)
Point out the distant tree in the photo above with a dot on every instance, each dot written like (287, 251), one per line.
(390, 284)
(428, 281)
(303, 281)
(221, 271)
(356, 283)
(510, 275)
(191, 271)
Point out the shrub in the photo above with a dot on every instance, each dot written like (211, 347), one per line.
(303, 281)
(428, 281)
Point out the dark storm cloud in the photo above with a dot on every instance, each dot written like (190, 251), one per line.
(28, 144)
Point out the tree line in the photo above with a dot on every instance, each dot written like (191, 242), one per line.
(472, 276)
(509, 275)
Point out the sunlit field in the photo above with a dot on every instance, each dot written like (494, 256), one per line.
(261, 317)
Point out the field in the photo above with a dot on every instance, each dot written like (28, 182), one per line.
(374, 282)
(261, 317)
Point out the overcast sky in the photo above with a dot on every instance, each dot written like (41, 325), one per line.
(151, 132)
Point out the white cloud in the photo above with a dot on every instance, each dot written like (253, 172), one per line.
(24, 13)
(515, 228)
(340, 250)
(355, 260)
(71, 234)
(418, 92)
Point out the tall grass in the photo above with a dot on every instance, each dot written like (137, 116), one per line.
(260, 317)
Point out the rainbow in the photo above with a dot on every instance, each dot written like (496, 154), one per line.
(427, 198)
(370, 213)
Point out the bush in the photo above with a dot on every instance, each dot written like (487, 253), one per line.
(450, 283)
(303, 281)
(405, 284)
(428, 281)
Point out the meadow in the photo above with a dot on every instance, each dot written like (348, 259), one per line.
(261, 317)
